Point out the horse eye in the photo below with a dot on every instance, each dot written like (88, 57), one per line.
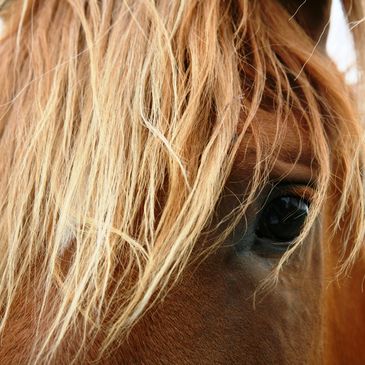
(282, 219)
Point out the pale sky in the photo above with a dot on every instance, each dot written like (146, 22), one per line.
(340, 45)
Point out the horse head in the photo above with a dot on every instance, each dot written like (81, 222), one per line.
(181, 183)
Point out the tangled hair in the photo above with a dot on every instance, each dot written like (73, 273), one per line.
(120, 122)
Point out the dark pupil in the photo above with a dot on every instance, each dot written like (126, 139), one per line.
(283, 219)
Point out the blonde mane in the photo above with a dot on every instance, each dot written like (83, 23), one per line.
(120, 123)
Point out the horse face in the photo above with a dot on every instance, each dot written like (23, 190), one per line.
(216, 314)
(225, 307)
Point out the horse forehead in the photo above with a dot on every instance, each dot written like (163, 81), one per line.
(294, 147)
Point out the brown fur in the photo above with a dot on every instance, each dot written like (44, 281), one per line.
(136, 156)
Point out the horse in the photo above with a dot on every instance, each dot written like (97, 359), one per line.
(181, 183)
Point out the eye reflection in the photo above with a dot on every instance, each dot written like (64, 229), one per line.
(283, 219)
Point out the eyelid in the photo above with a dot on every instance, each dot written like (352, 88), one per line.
(306, 190)
(280, 182)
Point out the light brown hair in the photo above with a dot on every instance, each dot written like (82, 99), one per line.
(120, 122)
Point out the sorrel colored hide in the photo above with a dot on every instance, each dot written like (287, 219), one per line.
(181, 183)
